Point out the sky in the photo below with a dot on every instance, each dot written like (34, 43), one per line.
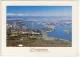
(39, 10)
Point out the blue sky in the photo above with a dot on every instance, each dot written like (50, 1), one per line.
(40, 10)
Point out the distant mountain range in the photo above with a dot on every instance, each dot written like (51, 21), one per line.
(40, 17)
(55, 20)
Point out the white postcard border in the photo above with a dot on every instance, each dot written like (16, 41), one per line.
(52, 51)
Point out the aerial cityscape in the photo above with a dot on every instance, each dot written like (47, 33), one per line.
(39, 26)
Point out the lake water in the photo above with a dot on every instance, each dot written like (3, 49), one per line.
(60, 33)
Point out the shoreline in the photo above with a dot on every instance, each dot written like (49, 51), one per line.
(54, 38)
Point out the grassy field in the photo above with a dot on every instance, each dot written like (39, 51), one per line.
(35, 42)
